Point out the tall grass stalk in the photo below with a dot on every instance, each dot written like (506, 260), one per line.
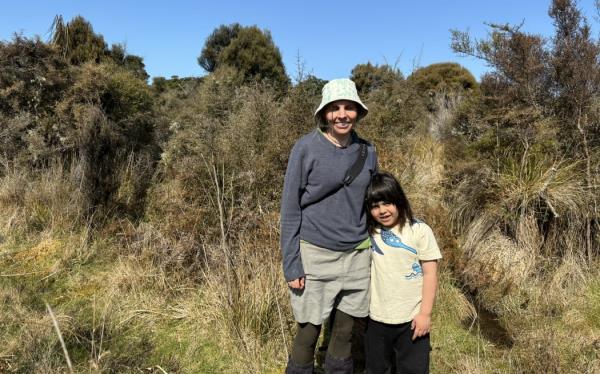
(60, 338)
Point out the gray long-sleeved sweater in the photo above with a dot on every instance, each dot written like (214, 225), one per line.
(314, 207)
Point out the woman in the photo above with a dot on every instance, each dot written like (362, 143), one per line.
(324, 239)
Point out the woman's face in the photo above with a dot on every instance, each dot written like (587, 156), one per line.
(341, 116)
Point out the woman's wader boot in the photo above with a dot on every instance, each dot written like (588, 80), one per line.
(334, 365)
(338, 359)
(294, 368)
(303, 349)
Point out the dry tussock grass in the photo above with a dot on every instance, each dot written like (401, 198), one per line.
(419, 165)
(474, 365)
(559, 184)
(565, 283)
(131, 300)
(530, 203)
(444, 107)
(249, 304)
(176, 253)
(47, 200)
(547, 347)
(523, 253)
(532, 185)
(502, 269)
(106, 308)
(29, 340)
(244, 299)
(454, 302)
(498, 267)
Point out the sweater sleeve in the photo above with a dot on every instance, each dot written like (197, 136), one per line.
(291, 215)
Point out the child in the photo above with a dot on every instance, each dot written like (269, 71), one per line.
(403, 281)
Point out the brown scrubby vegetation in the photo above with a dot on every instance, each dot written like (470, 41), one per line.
(146, 216)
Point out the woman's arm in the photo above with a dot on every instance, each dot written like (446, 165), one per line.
(291, 219)
(421, 324)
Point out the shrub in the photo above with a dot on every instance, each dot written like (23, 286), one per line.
(106, 116)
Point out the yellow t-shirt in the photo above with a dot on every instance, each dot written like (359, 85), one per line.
(396, 274)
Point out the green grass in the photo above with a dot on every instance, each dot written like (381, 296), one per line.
(457, 342)
(97, 299)
(187, 350)
(592, 304)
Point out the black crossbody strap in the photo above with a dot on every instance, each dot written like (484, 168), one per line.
(358, 165)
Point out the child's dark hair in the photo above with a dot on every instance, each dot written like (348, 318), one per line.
(385, 187)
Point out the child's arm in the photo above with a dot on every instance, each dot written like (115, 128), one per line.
(421, 324)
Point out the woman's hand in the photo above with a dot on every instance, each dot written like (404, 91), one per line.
(297, 284)
(421, 325)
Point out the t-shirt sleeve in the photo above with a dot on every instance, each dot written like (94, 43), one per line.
(291, 216)
(428, 247)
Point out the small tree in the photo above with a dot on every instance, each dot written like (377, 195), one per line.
(78, 43)
(255, 56)
(77, 40)
(220, 38)
(311, 86)
(514, 95)
(575, 71)
(249, 50)
(134, 64)
(107, 120)
(519, 63)
(445, 76)
(369, 77)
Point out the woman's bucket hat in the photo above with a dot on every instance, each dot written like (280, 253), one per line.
(340, 89)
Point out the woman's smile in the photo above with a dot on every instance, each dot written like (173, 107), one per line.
(343, 125)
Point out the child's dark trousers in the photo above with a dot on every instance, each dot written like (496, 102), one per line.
(390, 349)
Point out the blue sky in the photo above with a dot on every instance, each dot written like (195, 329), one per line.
(330, 37)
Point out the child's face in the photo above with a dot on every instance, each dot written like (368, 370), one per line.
(385, 213)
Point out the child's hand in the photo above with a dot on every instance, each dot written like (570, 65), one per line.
(420, 325)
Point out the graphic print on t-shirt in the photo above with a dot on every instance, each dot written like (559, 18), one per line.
(391, 239)
(417, 271)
